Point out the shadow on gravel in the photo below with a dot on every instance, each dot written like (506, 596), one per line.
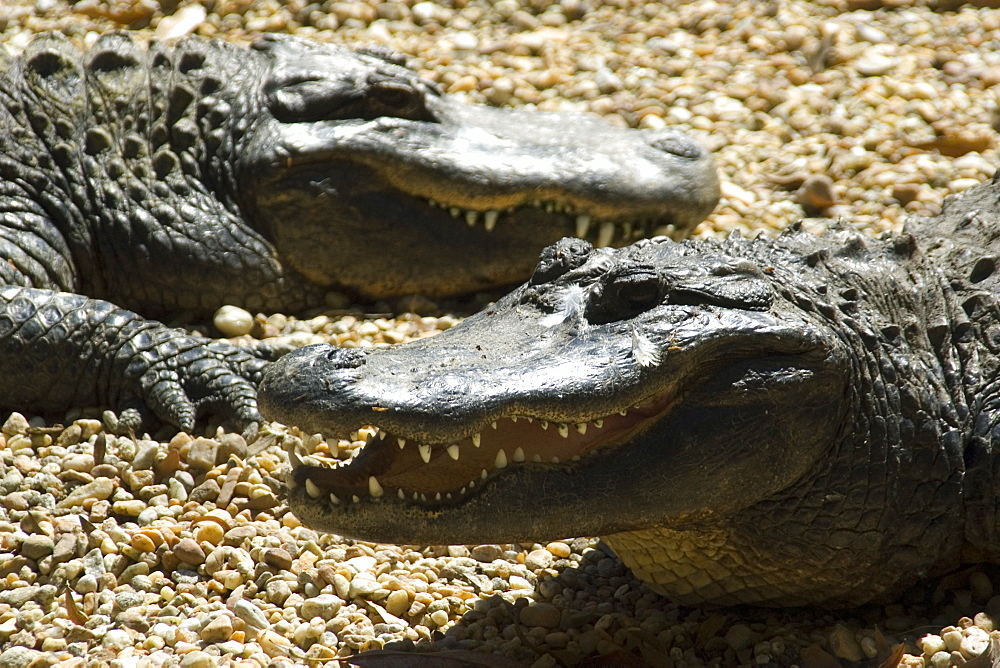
(600, 616)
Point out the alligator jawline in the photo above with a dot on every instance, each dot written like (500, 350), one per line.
(601, 232)
(440, 474)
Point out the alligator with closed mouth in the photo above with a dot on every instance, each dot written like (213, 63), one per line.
(139, 183)
(800, 420)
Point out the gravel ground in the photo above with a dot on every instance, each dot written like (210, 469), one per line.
(177, 549)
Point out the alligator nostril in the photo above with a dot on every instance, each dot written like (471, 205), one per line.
(346, 358)
(675, 143)
(562, 256)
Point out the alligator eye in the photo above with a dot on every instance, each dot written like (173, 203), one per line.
(396, 99)
(625, 294)
(638, 291)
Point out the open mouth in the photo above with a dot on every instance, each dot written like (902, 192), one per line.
(601, 233)
(440, 474)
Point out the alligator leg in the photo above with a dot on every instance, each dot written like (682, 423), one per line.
(59, 350)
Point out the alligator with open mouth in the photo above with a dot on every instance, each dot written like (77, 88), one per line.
(800, 420)
(176, 179)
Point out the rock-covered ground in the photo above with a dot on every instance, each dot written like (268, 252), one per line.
(177, 548)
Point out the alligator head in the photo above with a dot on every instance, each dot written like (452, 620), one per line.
(618, 390)
(355, 145)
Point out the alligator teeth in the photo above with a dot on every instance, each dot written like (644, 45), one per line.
(472, 484)
(581, 427)
(402, 443)
(501, 460)
(401, 494)
(437, 497)
(454, 451)
(374, 488)
(518, 455)
(623, 412)
(536, 458)
(563, 429)
(461, 492)
(606, 234)
(334, 500)
(455, 212)
(555, 460)
(423, 497)
(513, 418)
(415, 496)
(544, 423)
(425, 452)
(381, 435)
(490, 220)
(312, 490)
(598, 423)
(476, 440)
(493, 424)
(484, 474)
(582, 226)
(355, 498)
(470, 218)
(627, 230)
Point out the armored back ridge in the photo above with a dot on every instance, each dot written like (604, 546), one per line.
(781, 422)
(174, 180)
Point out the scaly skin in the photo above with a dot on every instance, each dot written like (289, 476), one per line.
(805, 420)
(178, 179)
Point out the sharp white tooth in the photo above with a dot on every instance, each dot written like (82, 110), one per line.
(605, 236)
(530, 420)
(518, 455)
(623, 411)
(581, 427)
(461, 492)
(493, 424)
(598, 423)
(544, 423)
(415, 496)
(555, 460)
(484, 474)
(627, 230)
(425, 452)
(470, 218)
(501, 460)
(563, 429)
(355, 498)
(312, 490)
(374, 488)
(423, 497)
(490, 220)
(472, 484)
(437, 497)
(401, 494)
(513, 418)
(582, 226)
(476, 440)
(454, 451)
(402, 443)
(455, 212)
(381, 435)
(536, 458)
(334, 500)
(448, 496)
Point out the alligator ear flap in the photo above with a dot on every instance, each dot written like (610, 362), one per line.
(740, 285)
(303, 96)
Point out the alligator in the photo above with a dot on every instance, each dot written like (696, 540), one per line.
(787, 421)
(144, 183)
